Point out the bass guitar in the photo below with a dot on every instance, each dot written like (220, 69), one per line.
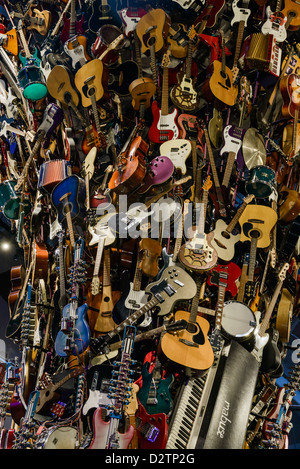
(189, 347)
(241, 15)
(164, 126)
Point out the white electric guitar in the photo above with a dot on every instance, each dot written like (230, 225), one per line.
(233, 139)
(276, 23)
(178, 151)
(195, 5)
(102, 235)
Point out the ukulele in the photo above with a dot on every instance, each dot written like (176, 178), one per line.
(256, 223)
(189, 347)
(219, 83)
(164, 126)
(224, 240)
(198, 254)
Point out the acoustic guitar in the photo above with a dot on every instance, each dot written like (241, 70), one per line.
(189, 347)
(291, 11)
(219, 82)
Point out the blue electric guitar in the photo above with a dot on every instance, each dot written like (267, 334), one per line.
(74, 335)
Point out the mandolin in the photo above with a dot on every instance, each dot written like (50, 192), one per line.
(189, 347)
(164, 126)
(198, 254)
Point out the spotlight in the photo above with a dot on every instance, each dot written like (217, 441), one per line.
(5, 246)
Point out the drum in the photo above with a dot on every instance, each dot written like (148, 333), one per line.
(107, 34)
(261, 181)
(52, 172)
(32, 81)
(63, 437)
(10, 200)
(238, 322)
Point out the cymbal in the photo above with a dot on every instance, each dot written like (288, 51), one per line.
(254, 151)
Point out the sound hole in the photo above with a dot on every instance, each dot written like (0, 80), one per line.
(255, 234)
(225, 234)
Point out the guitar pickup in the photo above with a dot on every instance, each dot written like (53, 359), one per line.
(151, 433)
(170, 290)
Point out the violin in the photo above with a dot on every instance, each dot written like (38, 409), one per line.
(151, 249)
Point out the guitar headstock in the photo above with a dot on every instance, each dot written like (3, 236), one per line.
(207, 184)
(166, 59)
(283, 271)
(95, 286)
(249, 199)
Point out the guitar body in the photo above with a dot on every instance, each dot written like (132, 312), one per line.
(93, 68)
(271, 357)
(275, 25)
(164, 127)
(211, 13)
(76, 48)
(177, 150)
(79, 28)
(135, 299)
(105, 322)
(81, 332)
(190, 129)
(60, 87)
(223, 242)
(159, 170)
(198, 254)
(159, 421)
(289, 87)
(40, 20)
(102, 13)
(289, 205)
(219, 85)
(156, 398)
(184, 95)
(153, 28)
(257, 221)
(121, 77)
(189, 347)
(133, 169)
(284, 315)
(17, 276)
(292, 7)
(130, 18)
(101, 432)
(142, 90)
(233, 272)
(69, 194)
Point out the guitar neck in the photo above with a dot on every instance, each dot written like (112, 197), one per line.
(236, 218)
(253, 249)
(137, 280)
(61, 270)
(265, 322)
(106, 269)
(99, 257)
(228, 170)
(220, 305)
(189, 60)
(72, 19)
(165, 93)
(243, 280)
(195, 302)
(215, 175)
(295, 127)
(238, 42)
(178, 240)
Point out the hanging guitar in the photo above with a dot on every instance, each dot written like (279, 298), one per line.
(74, 334)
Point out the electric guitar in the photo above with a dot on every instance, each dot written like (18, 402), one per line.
(164, 126)
(233, 139)
(164, 293)
(198, 254)
(72, 25)
(106, 434)
(189, 347)
(184, 95)
(178, 151)
(275, 23)
(74, 334)
(224, 240)
(241, 15)
(130, 17)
